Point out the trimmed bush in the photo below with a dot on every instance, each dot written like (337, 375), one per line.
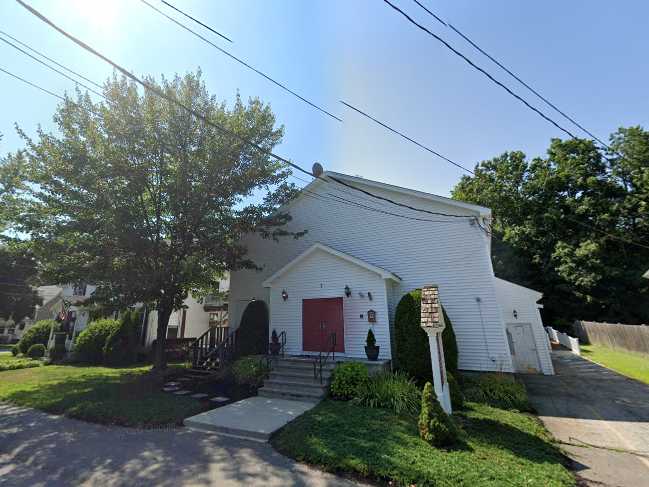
(389, 390)
(435, 426)
(457, 397)
(498, 390)
(250, 371)
(120, 347)
(252, 334)
(37, 350)
(39, 332)
(90, 343)
(346, 380)
(450, 344)
(19, 363)
(412, 354)
(370, 341)
(14, 350)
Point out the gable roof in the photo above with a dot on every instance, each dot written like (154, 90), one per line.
(646, 275)
(337, 253)
(479, 210)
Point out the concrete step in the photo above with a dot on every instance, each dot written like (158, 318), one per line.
(300, 365)
(298, 376)
(295, 393)
(293, 372)
(284, 384)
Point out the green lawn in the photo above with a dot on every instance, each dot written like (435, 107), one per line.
(125, 396)
(499, 447)
(631, 364)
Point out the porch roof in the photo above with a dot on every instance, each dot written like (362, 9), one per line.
(337, 253)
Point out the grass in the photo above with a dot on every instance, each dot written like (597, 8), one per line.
(125, 396)
(499, 447)
(631, 364)
(9, 362)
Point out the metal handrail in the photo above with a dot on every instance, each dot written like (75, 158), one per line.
(282, 342)
(319, 362)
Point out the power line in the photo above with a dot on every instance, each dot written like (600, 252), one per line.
(197, 21)
(50, 67)
(481, 70)
(517, 78)
(52, 60)
(242, 62)
(401, 134)
(32, 84)
(157, 91)
(610, 235)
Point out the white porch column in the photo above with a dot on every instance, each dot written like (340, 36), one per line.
(432, 321)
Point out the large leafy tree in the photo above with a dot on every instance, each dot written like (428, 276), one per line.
(561, 222)
(136, 195)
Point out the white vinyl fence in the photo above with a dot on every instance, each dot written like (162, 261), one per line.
(564, 339)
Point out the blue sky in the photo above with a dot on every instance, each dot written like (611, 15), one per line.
(589, 57)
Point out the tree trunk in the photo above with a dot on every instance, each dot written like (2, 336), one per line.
(160, 359)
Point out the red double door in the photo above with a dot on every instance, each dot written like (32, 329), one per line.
(320, 318)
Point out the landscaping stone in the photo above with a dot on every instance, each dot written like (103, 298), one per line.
(182, 392)
(199, 395)
(170, 389)
(172, 384)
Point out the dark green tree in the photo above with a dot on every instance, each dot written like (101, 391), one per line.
(560, 225)
(18, 276)
(136, 195)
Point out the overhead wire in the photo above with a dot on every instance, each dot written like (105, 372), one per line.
(242, 62)
(513, 75)
(197, 21)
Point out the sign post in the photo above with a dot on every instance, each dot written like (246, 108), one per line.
(432, 321)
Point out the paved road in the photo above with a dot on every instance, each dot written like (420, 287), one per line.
(37, 449)
(589, 404)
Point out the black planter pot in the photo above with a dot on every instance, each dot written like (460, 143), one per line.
(372, 352)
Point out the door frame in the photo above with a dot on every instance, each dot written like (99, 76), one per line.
(512, 345)
(340, 340)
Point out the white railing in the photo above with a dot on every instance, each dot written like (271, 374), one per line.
(571, 343)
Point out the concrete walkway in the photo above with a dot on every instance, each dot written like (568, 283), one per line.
(255, 418)
(600, 415)
(37, 449)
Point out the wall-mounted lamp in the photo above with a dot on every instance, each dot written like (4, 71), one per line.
(348, 292)
(284, 294)
(515, 313)
(369, 295)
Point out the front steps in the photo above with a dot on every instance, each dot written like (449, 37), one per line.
(292, 378)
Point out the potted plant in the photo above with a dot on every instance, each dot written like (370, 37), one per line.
(371, 350)
(274, 343)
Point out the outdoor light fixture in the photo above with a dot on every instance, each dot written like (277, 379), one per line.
(515, 313)
(348, 292)
(369, 295)
(284, 294)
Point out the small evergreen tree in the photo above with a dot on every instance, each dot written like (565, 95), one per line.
(435, 426)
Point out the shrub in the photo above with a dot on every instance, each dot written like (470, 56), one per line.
(347, 378)
(90, 343)
(14, 350)
(120, 347)
(37, 350)
(39, 332)
(389, 390)
(249, 371)
(370, 341)
(457, 397)
(412, 354)
(435, 426)
(252, 334)
(450, 345)
(19, 363)
(498, 390)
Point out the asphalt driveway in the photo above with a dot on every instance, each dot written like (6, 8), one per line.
(37, 449)
(600, 416)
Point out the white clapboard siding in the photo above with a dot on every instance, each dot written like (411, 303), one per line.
(524, 300)
(450, 252)
(322, 275)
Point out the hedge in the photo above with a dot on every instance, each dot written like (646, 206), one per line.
(90, 343)
(39, 332)
(120, 346)
(412, 354)
(37, 350)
